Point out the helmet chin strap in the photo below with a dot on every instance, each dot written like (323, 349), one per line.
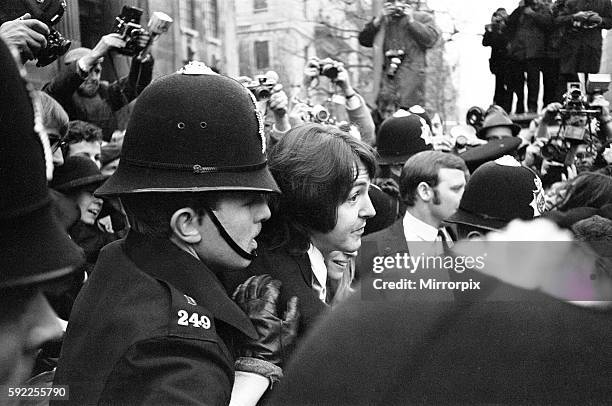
(228, 239)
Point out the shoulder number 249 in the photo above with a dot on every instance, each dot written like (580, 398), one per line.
(195, 319)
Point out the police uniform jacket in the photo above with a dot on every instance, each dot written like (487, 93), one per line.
(153, 325)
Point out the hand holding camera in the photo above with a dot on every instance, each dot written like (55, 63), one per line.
(25, 34)
(311, 71)
(279, 102)
(37, 18)
(137, 39)
(550, 113)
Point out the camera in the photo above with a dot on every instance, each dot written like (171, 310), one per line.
(395, 57)
(397, 11)
(49, 12)
(127, 25)
(318, 114)
(329, 68)
(261, 87)
(576, 116)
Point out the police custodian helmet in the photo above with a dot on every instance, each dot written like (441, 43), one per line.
(499, 192)
(193, 131)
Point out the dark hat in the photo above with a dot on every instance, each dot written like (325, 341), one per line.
(34, 247)
(192, 131)
(497, 117)
(77, 172)
(492, 150)
(499, 192)
(386, 207)
(401, 137)
(109, 153)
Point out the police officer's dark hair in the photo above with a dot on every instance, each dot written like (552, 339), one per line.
(150, 213)
(315, 167)
(589, 189)
(424, 167)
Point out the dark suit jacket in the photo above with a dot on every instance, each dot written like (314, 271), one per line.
(386, 243)
(295, 273)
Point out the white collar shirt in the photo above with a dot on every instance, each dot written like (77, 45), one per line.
(319, 272)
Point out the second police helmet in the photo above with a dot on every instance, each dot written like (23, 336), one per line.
(499, 192)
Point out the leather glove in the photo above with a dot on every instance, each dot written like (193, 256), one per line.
(258, 297)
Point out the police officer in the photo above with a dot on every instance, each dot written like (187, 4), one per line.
(36, 254)
(154, 325)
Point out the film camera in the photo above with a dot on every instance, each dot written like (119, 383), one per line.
(395, 57)
(49, 12)
(576, 118)
(261, 87)
(318, 114)
(329, 68)
(128, 26)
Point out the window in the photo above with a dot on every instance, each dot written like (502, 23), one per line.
(211, 19)
(260, 6)
(262, 55)
(188, 14)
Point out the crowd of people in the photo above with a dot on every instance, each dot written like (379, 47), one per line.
(239, 245)
(557, 39)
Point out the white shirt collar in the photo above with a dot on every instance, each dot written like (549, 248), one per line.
(417, 230)
(319, 271)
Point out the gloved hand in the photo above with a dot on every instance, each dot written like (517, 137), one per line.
(258, 297)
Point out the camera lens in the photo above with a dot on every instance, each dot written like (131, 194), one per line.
(262, 93)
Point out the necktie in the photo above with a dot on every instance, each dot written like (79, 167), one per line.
(447, 243)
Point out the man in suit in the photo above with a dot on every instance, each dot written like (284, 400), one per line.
(324, 176)
(518, 340)
(431, 185)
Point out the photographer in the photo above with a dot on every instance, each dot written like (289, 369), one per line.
(529, 26)
(495, 36)
(580, 46)
(560, 152)
(356, 109)
(26, 35)
(85, 97)
(270, 98)
(400, 33)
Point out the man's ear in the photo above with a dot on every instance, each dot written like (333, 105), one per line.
(185, 225)
(424, 191)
